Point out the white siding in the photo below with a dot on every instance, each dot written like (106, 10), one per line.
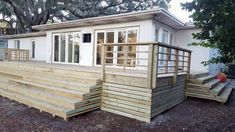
(199, 54)
(87, 49)
(25, 43)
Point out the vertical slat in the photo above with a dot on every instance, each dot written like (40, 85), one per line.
(167, 59)
(189, 65)
(183, 61)
(176, 66)
(125, 56)
(103, 59)
(150, 66)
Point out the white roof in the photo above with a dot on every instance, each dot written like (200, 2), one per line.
(161, 15)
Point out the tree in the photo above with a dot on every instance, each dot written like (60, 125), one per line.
(216, 19)
(36, 12)
(91, 8)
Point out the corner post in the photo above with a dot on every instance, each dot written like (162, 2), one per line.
(150, 66)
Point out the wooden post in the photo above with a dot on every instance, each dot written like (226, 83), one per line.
(103, 59)
(150, 66)
(183, 61)
(176, 66)
(155, 66)
(189, 65)
(125, 56)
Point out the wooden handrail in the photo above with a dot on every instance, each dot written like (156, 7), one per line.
(16, 54)
(156, 58)
(148, 43)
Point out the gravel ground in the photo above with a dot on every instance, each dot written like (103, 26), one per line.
(194, 115)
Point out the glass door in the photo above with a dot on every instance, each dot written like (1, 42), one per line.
(66, 47)
(115, 55)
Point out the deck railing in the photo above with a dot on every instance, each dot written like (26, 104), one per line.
(156, 59)
(16, 55)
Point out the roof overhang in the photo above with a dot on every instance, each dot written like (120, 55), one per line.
(159, 14)
(25, 35)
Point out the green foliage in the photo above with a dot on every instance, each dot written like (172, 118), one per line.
(35, 12)
(216, 18)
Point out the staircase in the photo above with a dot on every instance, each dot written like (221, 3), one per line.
(201, 85)
(61, 92)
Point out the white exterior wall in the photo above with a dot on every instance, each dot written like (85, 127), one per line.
(25, 43)
(199, 54)
(87, 50)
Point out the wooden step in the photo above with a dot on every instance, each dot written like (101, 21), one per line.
(209, 85)
(223, 97)
(63, 83)
(63, 77)
(55, 90)
(202, 80)
(218, 89)
(42, 95)
(39, 104)
(61, 70)
(198, 75)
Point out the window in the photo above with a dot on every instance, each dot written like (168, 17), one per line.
(156, 34)
(87, 38)
(56, 48)
(171, 39)
(17, 44)
(33, 49)
(165, 37)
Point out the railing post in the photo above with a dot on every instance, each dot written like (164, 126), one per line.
(150, 66)
(125, 56)
(103, 62)
(176, 66)
(189, 65)
(155, 65)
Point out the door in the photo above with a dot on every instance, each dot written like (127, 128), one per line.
(66, 47)
(115, 54)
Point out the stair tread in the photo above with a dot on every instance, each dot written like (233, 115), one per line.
(50, 87)
(226, 92)
(212, 83)
(218, 88)
(205, 78)
(46, 94)
(64, 81)
(35, 102)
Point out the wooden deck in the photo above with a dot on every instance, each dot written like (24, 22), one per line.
(137, 90)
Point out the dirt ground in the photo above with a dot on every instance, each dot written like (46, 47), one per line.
(194, 115)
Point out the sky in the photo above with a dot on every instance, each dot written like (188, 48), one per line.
(177, 10)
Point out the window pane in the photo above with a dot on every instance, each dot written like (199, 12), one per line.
(121, 39)
(131, 55)
(56, 48)
(165, 37)
(156, 34)
(87, 38)
(33, 49)
(70, 48)
(76, 41)
(100, 40)
(76, 53)
(62, 48)
(109, 52)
